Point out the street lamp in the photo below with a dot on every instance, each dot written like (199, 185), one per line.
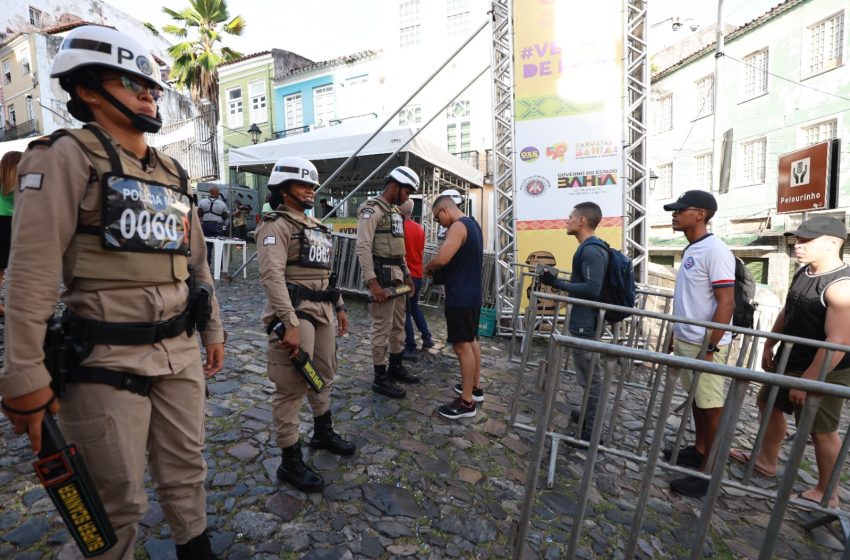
(255, 133)
(653, 177)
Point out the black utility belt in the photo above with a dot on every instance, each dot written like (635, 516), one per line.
(387, 261)
(306, 294)
(138, 384)
(125, 334)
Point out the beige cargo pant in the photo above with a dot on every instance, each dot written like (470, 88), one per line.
(290, 387)
(387, 331)
(115, 429)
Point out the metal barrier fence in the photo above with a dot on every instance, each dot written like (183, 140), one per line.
(647, 446)
(347, 269)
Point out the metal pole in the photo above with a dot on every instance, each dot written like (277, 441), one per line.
(402, 106)
(400, 148)
(593, 449)
(553, 372)
(718, 54)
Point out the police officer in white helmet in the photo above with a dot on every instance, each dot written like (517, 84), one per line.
(115, 219)
(380, 251)
(305, 310)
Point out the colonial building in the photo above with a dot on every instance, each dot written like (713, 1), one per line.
(783, 84)
(245, 96)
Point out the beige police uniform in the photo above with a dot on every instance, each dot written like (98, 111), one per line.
(380, 235)
(114, 429)
(278, 250)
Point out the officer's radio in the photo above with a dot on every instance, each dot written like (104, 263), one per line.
(62, 471)
(301, 361)
(393, 292)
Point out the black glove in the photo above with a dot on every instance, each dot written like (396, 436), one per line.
(546, 277)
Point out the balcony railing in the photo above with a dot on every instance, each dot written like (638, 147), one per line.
(192, 142)
(291, 132)
(23, 130)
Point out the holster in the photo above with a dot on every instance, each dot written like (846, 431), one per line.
(199, 304)
(56, 356)
(201, 308)
(383, 270)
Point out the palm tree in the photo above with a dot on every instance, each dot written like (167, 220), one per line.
(196, 59)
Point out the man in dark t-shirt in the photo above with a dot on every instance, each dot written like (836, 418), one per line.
(817, 307)
(460, 261)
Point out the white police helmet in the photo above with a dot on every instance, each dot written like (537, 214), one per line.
(456, 196)
(105, 47)
(405, 177)
(293, 169)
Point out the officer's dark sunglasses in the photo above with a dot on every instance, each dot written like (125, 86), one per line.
(136, 88)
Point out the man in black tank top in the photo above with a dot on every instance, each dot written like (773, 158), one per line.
(460, 260)
(817, 307)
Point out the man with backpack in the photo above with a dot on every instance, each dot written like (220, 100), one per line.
(590, 263)
(705, 286)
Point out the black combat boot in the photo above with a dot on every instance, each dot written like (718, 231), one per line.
(383, 385)
(324, 436)
(398, 372)
(293, 470)
(196, 549)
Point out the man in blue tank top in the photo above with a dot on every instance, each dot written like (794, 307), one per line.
(817, 307)
(458, 265)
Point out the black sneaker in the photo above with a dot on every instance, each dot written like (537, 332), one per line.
(477, 392)
(426, 344)
(457, 409)
(688, 457)
(692, 486)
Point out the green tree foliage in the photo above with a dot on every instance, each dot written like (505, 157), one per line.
(201, 28)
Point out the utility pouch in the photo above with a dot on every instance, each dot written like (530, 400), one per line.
(63, 472)
(294, 295)
(301, 361)
(384, 276)
(56, 356)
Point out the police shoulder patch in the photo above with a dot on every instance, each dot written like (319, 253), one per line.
(30, 181)
(366, 214)
(270, 240)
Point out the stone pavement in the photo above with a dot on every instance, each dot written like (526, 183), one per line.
(419, 486)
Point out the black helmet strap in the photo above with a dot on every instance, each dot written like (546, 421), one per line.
(142, 122)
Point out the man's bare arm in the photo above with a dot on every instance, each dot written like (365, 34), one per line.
(454, 239)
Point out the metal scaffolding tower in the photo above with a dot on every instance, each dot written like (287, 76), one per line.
(503, 158)
(636, 89)
(635, 186)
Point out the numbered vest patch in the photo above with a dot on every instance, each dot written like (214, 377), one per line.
(145, 216)
(316, 248)
(396, 225)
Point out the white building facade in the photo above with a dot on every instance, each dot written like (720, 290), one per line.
(784, 84)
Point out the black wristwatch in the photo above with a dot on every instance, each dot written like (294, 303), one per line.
(711, 349)
(341, 307)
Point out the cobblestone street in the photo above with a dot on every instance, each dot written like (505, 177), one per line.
(419, 486)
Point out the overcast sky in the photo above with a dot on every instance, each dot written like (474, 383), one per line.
(323, 29)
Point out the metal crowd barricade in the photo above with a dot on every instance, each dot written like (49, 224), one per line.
(524, 326)
(346, 265)
(740, 376)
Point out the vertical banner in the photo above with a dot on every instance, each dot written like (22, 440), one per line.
(568, 123)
